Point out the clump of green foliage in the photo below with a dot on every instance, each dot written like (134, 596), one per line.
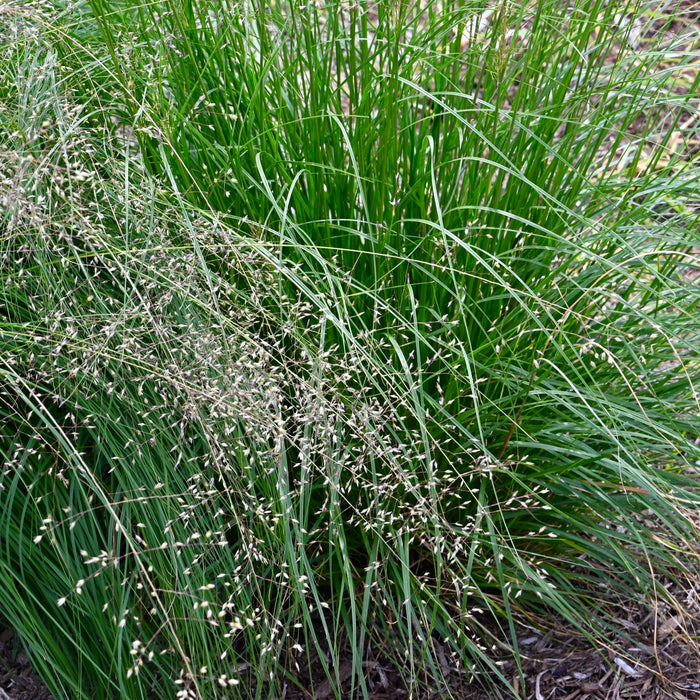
(330, 327)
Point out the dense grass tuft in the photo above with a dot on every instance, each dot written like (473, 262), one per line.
(341, 331)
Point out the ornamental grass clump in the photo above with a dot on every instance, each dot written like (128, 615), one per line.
(333, 333)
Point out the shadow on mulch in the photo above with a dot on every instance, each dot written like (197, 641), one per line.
(17, 678)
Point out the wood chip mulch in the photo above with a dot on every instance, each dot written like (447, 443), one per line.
(17, 678)
(655, 656)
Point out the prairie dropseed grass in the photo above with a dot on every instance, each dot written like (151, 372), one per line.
(341, 331)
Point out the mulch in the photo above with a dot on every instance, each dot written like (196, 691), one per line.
(654, 658)
(653, 654)
(18, 681)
